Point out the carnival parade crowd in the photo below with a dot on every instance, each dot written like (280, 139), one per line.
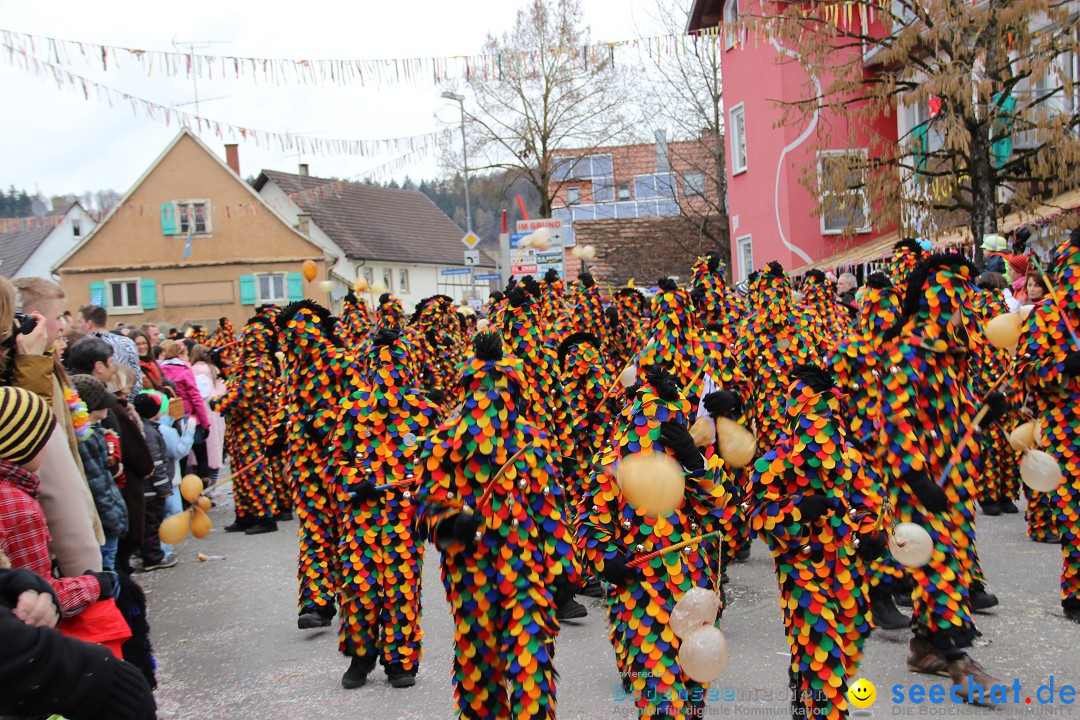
(821, 417)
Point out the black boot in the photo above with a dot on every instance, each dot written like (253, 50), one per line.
(262, 525)
(991, 508)
(312, 618)
(284, 516)
(1009, 507)
(883, 609)
(592, 589)
(570, 609)
(743, 555)
(399, 677)
(1071, 606)
(356, 675)
(241, 524)
(980, 599)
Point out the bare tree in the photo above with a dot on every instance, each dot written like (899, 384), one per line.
(684, 93)
(543, 92)
(996, 79)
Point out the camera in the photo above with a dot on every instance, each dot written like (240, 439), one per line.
(23, 324)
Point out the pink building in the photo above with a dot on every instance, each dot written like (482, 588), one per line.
(772, 212)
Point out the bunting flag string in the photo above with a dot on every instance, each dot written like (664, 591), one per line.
(66, 79)
(417, 71)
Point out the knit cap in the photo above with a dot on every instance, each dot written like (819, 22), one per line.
(93, 392)
(147, 405)
(26, 422)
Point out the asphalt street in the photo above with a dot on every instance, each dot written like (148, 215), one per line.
(228, 648)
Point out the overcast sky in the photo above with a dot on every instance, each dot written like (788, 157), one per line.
(55, 141)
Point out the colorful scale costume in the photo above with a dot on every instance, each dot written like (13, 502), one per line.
(318, 374)
(354, 324)
(199, 335)
(499, 560)
(252, 395)
(223, 336)
(715, 302)
(860, 363)
(672, 340)
(906, 255)
(628, 326)
(376, 443)
(552, 303)
(806, 507)
(1051, 371)
(585, 378)
(999, 479)
(611, 531)
(584, 312)
(771, 342)
(926, 409)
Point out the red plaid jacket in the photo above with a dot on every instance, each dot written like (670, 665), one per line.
(24, 537)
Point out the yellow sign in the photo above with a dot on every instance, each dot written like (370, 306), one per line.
(470, 240)
(862, 693)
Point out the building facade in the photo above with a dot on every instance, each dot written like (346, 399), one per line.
(189, 243)
(33, 251)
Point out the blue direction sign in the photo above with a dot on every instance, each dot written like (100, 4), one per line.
(455, 271)
(488, 276)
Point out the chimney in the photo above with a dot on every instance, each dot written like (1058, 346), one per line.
(303, 170)
(663, 161)
(232, 157)
(303, 220)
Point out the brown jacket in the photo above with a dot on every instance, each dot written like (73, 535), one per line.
(65, 497)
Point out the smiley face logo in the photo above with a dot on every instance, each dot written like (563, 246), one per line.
(862, 693)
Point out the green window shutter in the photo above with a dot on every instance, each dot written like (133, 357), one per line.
(97, 294)
(168, 219)
(148, 294)
(296, 287)
(247, 289)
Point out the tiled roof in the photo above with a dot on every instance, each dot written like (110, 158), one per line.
(374, 223)
(17, 246)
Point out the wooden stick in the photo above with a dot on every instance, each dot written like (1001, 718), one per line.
(502, 471)
(233, 475)
(642, 559)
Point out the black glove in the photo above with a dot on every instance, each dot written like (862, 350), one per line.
(929, 493)
(996, 409)
(812, 507)
(465, 527)
(617, 570)
(871, 546)
(365, 491)
(14, 583)
(436, 396)
(722, 402)
(612, 314)
(678, 439)
(110, 587)
(281, 443)
(1072, 363)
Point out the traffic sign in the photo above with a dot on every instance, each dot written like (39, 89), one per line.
(455, 271)
(556, 227)
(472, 257)
(470, 240)
(488, 276)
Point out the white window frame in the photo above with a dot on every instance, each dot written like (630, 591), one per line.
(744, 247)
(403, 281)
(261, 299)
(731, 22)
(127, 309)
(573, 194)
(862, 193)
(180, 206)
(738, 138)
(619, 192)
(388, 279)
(367, 274)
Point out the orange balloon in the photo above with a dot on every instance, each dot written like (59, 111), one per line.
(191, 486)
(174, 528)
(310, 270)
(200, 524)
(204, 503)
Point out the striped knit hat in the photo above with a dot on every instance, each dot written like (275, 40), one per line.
(26, 422)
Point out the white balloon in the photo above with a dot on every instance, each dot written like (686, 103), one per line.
(697, 607)
(911, 545)
(1040, 471)
(703, 654)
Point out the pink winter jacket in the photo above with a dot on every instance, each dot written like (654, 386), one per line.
(179, 372)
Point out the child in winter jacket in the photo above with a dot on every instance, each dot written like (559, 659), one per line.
(159, 488)
(178, 443)
(94, 452)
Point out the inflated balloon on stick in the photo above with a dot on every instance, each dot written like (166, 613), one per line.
(697, 607)
(651, 482)
(911, 545)
(703, 654)
(310, 270)
(1040, 471)
(737, 445)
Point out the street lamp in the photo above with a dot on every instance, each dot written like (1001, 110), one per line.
(460, 100)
